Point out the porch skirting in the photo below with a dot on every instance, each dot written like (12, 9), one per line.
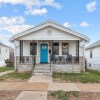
(75, 68)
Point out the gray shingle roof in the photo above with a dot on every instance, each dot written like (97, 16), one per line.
(3, 45)
(95, 44)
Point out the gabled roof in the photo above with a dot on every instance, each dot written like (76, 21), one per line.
(49, 23)
(3, 45)
(95, 44)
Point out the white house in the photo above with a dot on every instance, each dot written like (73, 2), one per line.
(93, 56)
(53, 45)
(4, 54)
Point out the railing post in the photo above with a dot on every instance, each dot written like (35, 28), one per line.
(50, 62)
(34, 61)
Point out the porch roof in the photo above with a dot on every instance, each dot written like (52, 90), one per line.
(53, 24)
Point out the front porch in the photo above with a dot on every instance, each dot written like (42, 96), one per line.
(59, 56)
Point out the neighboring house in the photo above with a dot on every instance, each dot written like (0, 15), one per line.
(61, 48)
(4, 54)
(93, 56)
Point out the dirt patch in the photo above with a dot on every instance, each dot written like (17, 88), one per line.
(81, 96)
(9, 95)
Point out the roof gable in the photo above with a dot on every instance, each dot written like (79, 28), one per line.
(49, 33)
(49, 23)
(3, 45)
(95, 44)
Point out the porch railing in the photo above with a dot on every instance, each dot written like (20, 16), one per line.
(64, 60)
(26, 60)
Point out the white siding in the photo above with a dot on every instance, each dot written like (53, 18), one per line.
(95, 60)
(4, 55)
(56, 34)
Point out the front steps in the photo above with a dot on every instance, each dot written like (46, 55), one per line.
(42, 69)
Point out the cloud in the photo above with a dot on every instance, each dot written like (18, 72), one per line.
(66, 24)
(17, 28)
(91, 6)
(84, 24)
(4, 37)
(36, 11)
(5, 21)
(30, 4)
(13, 25)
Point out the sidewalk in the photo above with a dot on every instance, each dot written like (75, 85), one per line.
(38, 86)
(6, 72)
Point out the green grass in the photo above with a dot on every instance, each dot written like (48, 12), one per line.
(87, 77)
(62, 95)
(16, 75)
(3, 69)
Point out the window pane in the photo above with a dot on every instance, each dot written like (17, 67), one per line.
(55, 48)
(65, 48)
(33, 48)
(91, 54)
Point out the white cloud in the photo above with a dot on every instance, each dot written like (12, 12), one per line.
(91, 6)
(4, 37)
(4, 21)
(66, 24)
(13, 25)
(51, 3)
(17, 28)
(84, 24)
(33, 3)
(36, 11)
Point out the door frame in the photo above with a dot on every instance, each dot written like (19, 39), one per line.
(47, 49)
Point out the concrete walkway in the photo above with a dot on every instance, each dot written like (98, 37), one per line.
(32, 95)
(38, 86)
(6, 72)
(41, 78)
(23, 86)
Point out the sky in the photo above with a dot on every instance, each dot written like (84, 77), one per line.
(82, 16)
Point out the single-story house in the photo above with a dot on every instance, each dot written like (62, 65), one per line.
(4, 54)
(92, 53)
(52, 44)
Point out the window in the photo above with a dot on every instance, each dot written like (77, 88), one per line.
(33, 48)
(55, 48)
(89, 65)
(65, 48)
(91, 53)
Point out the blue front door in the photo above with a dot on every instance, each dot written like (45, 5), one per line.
(44, 53)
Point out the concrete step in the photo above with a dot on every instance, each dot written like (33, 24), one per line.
(41, 71)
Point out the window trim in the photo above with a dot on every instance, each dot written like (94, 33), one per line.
(31, 43)
(66, 48)
(91, 53)
(58, 47)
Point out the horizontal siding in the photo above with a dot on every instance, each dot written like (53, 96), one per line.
(95, 61)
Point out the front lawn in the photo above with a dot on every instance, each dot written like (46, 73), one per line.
(16, 76)
(86, 77)
(3, 69)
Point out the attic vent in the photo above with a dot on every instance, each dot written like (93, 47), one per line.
(49, 32)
